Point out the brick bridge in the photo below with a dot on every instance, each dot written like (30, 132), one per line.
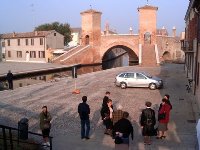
(147, 47)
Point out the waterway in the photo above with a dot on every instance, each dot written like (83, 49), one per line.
(50, 77)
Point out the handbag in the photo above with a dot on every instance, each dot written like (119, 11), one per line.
(118, 140)
(47, 125)
(161, 116)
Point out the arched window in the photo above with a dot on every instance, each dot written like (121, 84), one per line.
(87, 40)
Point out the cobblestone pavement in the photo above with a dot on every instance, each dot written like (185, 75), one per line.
(62, 104)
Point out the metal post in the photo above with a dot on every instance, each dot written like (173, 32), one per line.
(50, 143)
(11, 141)
(4, 138)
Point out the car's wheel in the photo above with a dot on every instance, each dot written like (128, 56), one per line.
(152, 86)
(123, 85)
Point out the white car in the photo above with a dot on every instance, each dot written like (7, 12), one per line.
(138, 79)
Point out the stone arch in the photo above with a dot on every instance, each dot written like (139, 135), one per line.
(133, 55)
(87, 40)
(167, 56)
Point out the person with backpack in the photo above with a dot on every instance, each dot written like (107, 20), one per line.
(147, 122)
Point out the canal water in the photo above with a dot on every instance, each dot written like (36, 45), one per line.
(118, 62)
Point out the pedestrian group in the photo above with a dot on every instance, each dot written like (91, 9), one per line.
(116, 122)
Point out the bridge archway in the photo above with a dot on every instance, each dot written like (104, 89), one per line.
(118, 56)
(167, 56)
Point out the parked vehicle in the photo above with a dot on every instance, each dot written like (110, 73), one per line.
(138, 79)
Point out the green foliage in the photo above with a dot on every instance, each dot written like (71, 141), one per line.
(61, 28)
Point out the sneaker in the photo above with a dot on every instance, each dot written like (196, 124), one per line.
(48, 144)
(87, 138)
(83, 138)
(44, 144)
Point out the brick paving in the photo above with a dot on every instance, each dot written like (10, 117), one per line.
(62, 104)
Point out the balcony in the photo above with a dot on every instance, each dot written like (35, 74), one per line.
(184, 45)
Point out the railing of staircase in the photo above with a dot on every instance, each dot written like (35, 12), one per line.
(8, 140)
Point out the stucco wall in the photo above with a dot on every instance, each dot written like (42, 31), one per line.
(55, 41)
(24, 48)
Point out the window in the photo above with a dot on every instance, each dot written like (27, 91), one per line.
(41, 54)
(8, 42)
(129, 75)
(18, 42)
(20, 84)
(140, 76)
(32, 54)
(41, 41)
(19, 54)
(26, 41)
(32, 41)
(54, 34)
(121, 75)
(9, 53)
(3, 44)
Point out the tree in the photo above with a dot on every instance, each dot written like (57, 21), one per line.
(61, 28)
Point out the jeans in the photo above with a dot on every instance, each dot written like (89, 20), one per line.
(10, 85)
(83, 124)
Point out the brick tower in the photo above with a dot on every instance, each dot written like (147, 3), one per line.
(147, 36)
(91, 28)
(147, 24)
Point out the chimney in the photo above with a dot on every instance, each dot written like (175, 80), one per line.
(107, 28)
(130, 30)
(163, 31)
(174, 31)
(36, 33)
(14, 34)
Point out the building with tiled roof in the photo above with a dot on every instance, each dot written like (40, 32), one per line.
(32, 46)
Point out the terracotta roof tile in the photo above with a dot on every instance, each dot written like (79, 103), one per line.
(76, 30)
(27, 34)
(148, 7)
(90, 11)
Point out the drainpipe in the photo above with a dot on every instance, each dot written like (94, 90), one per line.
(197, 51)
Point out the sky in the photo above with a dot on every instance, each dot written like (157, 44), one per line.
(25, 15)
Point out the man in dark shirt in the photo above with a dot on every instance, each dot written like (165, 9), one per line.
(105, 99)
(84, 111)
(124, 129)
(9, 78)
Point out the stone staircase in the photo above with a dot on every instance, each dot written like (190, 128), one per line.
(148, 56)
(60, 58)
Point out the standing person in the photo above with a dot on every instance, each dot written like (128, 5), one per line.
(106, 114)
(168, 101)
(118, 114)
(122, 130)
(106, 98)
(163, 118)
(45, 125)
(84, 111)
(9, 78)
(147, 123)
